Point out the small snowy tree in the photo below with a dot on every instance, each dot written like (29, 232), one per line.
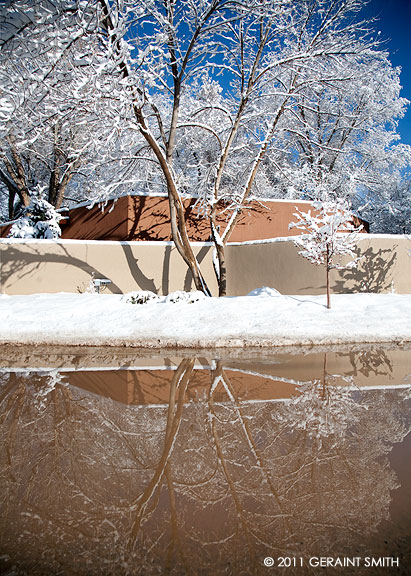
(39, 220)
(327, 235)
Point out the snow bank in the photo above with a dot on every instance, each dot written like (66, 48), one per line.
(259, 320)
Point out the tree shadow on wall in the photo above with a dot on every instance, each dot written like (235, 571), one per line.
(189, 281)
(17, 265)
(142, 281)
(373, 272)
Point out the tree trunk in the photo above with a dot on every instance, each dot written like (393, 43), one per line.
(324, 376)
(327, 267)
(182, 243)
(12, 195)
(220, 269)
(222, 280)
(178, 225)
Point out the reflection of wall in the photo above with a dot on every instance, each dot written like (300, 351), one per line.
(149, 387)
(54, 266)
(251, 380)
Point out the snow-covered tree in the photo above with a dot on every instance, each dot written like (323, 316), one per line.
(341, 138)
(217, 99)
(38, 220)
(58, 124)
(214, 137)
(390, 210)
(327, 235)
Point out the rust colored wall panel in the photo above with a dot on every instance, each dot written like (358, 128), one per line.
(94, 224)
(147, 218)
(4, 231)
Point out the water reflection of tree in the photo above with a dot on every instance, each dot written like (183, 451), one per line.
(322, 408)
(89, 486)
(369, 362)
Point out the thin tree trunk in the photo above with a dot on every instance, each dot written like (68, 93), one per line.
(222, 280)
(324, 376)
(12, 195)
(327, 267)
(15, 175)
(175, 411)
(220, 245)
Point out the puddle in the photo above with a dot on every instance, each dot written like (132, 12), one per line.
(118, 462)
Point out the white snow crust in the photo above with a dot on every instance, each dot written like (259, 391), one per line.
(259, 320)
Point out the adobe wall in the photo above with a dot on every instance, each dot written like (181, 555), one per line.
(28, 267)
(147, 218)
(385, 265)
(34, 266)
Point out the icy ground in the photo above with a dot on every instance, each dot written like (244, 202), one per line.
(263, 318)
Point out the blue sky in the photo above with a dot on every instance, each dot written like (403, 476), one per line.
(395, 25)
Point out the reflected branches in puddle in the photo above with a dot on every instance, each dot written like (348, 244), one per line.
(369, 362)
(323, 410)
(206, 483)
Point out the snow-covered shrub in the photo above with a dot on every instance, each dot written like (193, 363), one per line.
(144, 296)
(141, 297)
(187, 297)
(39, 220)
(89, 287)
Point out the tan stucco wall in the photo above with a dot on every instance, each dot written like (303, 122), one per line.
(385, 265)
(66, 266)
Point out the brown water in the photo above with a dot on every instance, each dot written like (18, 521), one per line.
(114, 462)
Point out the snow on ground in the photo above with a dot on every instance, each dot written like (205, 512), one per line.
(264, 318)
